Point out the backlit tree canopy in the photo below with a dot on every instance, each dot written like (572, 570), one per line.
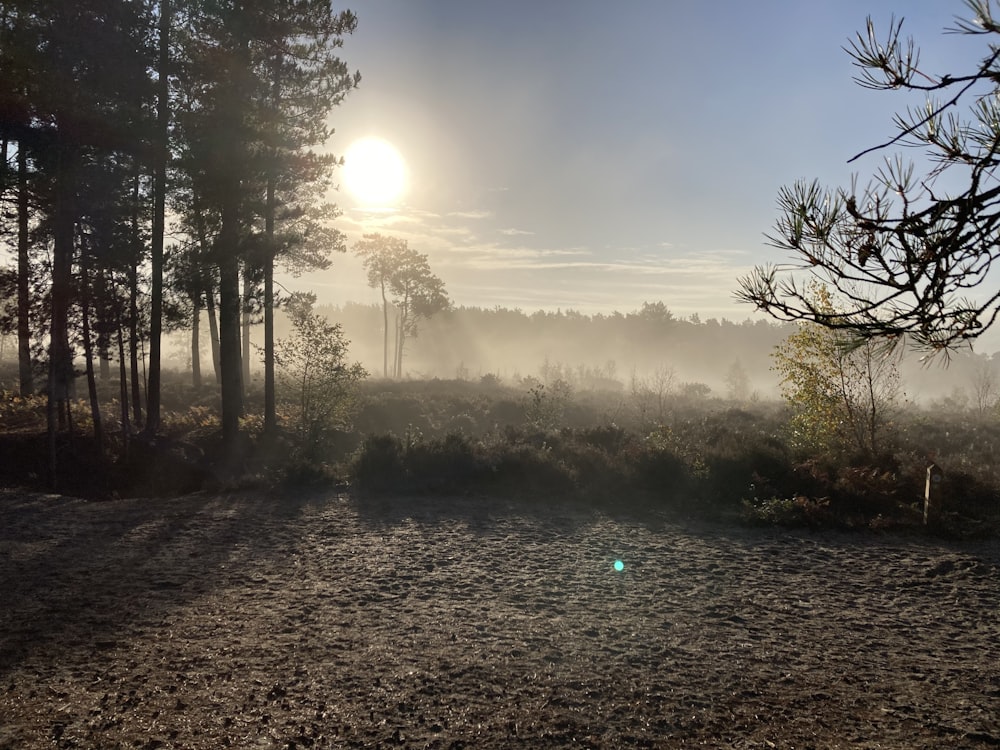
(908, 254)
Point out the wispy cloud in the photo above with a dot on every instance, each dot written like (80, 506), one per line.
(484, 264)
(509, 253)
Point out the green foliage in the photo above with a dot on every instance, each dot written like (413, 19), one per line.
(20, 412)
(793, 511)
(842, 391)
(546, 406)
(318, 384)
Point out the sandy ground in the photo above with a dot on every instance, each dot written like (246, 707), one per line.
(254, 622)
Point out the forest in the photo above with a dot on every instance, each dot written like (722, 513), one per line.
(208, 127)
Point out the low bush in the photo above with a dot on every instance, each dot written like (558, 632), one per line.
(798, 511)
(378, 465)
(458, 437)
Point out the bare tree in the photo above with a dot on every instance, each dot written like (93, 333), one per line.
(985, 386)
(737, 382)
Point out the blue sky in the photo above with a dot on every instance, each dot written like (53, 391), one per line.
(596, 155)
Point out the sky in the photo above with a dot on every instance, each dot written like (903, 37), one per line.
(597, 155)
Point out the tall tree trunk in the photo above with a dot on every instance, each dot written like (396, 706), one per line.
(213, 331)
(385, 333)
(133, 347)
(270, 400)
(400, 335)
(245, 343)
(88, 355)
(196, 341)
(133, 288)
(103, 295)
(25, 376)
(123, 389)
(159, 207)
(229, 345)
(208, 288)
(232, 107)
(229, 320)
(60, 353)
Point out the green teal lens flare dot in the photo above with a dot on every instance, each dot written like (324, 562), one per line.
(619, 566)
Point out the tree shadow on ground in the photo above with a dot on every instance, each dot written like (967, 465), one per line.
(84, 574)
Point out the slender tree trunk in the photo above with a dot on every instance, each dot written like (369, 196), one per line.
(270, 400)
(133, 287)
(88, 355)
(213, 331)
(208, 288)
(245, 341)
(25, 376)
(385, 333)
(123, 389)
(159, 207)
(196, 342)
(400, 335)
(229, 318)
(133, 332)
(60, 353)
(102, 295)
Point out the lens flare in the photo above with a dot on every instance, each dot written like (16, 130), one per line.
(619, 566)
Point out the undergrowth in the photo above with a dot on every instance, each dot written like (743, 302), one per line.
(703, 457)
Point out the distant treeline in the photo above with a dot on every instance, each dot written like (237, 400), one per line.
(649, 344)
(470, 342)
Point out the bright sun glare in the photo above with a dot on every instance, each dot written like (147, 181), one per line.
(374, 172)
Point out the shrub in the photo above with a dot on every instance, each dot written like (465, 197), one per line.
(661, 471)
(794, 511)
(318, 384)
(441, 465)
(535, 470)
(609, 438)
(19, 412)
(379, 464)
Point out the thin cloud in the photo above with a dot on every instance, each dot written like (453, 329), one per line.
(515, 232)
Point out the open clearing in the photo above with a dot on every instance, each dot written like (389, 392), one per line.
(245, 621)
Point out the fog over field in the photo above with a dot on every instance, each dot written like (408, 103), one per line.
(648, 347)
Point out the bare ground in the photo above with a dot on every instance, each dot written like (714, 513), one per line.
(254, 622)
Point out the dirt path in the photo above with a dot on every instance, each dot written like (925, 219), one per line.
(248, 622)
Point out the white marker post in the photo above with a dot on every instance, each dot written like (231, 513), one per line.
(932, 494)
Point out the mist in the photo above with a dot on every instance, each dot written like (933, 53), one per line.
(612, 352)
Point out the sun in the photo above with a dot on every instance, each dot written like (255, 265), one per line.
(374, 172)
